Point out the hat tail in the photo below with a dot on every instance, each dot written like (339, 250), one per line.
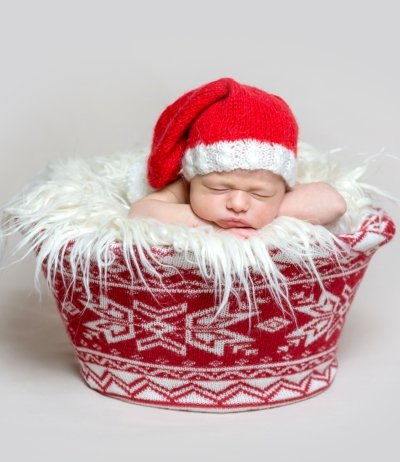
(172, 128)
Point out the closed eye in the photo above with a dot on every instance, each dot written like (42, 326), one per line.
(218, 189)
(261, 196)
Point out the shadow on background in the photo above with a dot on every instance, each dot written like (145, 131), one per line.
(32, 332)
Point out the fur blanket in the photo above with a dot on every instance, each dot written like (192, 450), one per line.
(84, 204)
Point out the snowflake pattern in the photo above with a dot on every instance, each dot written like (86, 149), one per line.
(115, 321)
(327, 313)
(214, 337)
(161, 327)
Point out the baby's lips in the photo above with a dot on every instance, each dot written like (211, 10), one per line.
(236, 223)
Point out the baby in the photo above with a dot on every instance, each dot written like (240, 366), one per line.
(239, 202)
(225, 155)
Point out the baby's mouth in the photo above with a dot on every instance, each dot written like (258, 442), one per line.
(236, 223)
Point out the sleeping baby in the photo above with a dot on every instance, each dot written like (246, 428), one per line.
(225, 155)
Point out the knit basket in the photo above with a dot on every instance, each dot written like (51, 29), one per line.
(191, 319)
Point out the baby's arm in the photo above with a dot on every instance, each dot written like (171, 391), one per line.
(317, 203)
(167, 205)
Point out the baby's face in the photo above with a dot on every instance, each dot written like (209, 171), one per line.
(241, 198)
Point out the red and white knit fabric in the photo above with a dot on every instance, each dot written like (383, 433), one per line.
(153, 346)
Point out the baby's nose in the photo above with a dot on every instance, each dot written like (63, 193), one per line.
(238, 201)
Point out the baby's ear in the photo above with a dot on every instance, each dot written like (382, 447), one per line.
(183, 179)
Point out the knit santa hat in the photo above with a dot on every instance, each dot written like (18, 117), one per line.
(220, 127)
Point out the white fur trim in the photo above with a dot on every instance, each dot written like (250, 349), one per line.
(246, 154)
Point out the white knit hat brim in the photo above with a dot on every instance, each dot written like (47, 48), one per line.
(246, 154)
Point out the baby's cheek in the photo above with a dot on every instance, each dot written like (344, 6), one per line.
(199, 207)
(266, 213)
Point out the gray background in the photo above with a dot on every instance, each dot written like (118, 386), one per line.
(88, 78)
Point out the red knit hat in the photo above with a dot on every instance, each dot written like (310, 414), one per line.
(220, 127)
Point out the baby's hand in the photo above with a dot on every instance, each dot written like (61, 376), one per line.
(243, 233)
